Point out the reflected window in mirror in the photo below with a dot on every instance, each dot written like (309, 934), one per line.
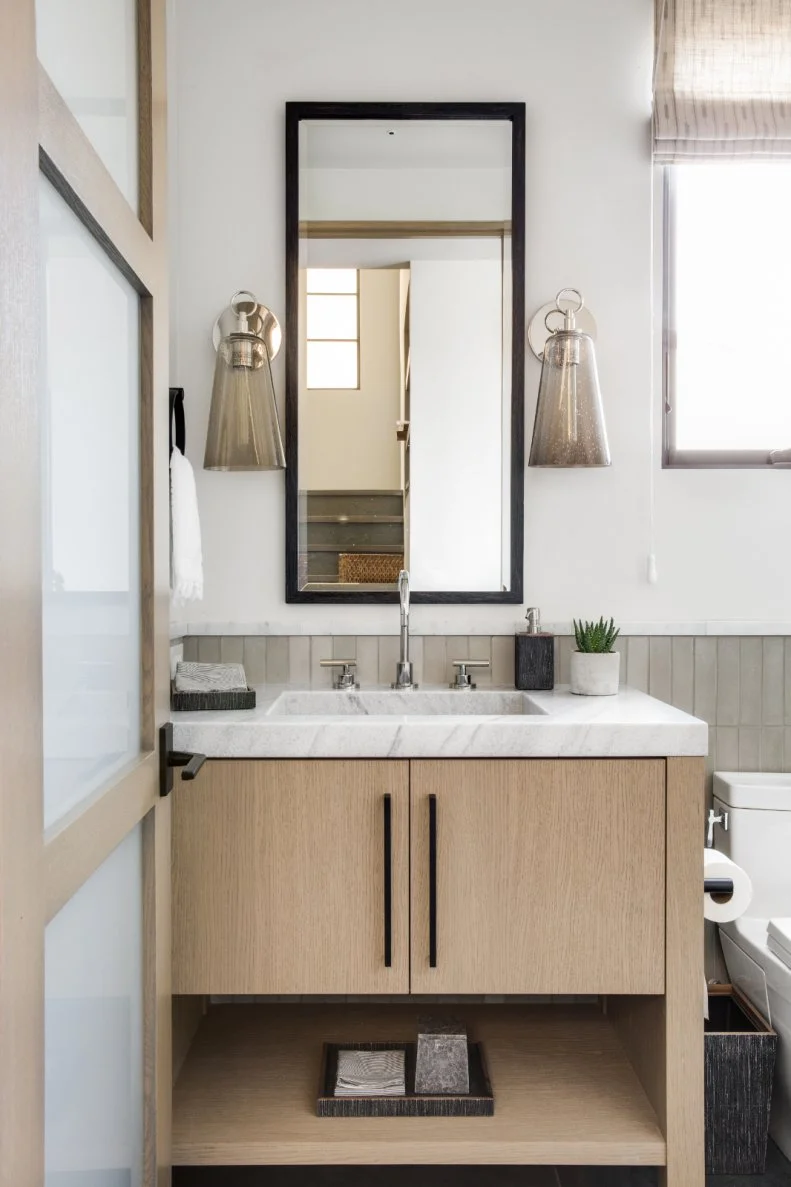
(404, 375)
(332, 321)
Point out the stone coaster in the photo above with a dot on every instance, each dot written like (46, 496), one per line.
(442, 1057)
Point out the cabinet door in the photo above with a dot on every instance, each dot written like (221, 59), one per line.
(280, 877)
(546, 876)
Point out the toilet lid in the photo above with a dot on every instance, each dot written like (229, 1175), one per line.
(779, 931)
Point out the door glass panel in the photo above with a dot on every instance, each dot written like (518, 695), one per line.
(89, 50)
(91, 562)
(94, 1028)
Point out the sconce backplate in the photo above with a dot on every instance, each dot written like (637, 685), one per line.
(537, 331)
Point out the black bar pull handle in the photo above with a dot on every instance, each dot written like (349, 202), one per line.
(432, 881)
(388, 869)
(169, 759)
(190, 763)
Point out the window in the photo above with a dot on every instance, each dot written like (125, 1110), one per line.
(333, 334)
(727, 339)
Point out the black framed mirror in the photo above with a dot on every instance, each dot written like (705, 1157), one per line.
(405, 262)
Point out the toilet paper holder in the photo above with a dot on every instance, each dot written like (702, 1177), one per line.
(716, 885)
(715, 817)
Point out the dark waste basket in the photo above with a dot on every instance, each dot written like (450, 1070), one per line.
(740, 1048)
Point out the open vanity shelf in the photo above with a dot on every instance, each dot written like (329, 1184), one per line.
(565, 1091)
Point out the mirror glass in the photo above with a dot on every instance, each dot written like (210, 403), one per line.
(404, 354)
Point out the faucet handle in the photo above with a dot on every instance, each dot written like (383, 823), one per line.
(346, 680)
(463, 678)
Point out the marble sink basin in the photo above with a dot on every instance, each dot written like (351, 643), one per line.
(418, 703)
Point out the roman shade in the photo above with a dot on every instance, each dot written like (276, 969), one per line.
(722, 85)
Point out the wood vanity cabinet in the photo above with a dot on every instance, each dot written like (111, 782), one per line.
(547, 876)
(519, 876)
(279, 872)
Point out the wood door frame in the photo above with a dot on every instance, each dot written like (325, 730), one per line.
(39, 872)
(21, 815)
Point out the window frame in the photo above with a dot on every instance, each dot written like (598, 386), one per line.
(672, 456)
(356, 340)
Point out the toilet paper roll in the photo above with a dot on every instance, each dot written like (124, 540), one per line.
(717, 908)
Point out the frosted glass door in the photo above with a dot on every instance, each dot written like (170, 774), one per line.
(85, 1045)
(91, 549)
(94, 1028)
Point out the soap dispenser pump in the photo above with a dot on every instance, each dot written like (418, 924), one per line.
(534, 655)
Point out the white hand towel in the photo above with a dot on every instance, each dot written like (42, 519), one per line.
(186, 581)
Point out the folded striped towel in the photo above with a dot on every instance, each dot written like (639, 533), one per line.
(210, 678)
(370, 1073)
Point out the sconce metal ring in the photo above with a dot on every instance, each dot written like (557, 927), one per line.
(262, 321)
(577, 294)
(538, 331)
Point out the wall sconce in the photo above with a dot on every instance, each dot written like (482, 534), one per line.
(569, 427)
(244, 430)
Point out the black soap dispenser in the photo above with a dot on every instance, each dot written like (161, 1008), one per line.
(534, 655)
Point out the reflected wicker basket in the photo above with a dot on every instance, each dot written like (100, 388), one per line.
(370, 568)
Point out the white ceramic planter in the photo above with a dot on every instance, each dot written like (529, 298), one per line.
(595, 673)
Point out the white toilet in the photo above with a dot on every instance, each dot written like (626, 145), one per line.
(757, 947)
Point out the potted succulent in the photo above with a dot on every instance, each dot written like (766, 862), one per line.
(595, 667)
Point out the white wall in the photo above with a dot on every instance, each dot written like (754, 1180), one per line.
(584, 71)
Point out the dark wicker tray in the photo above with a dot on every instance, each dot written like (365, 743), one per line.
(479, 1102)
(191, 702)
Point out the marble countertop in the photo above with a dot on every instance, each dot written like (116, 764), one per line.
(556, 725)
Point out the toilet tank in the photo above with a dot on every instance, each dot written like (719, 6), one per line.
(759, 835)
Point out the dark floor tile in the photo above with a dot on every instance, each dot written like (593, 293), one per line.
(363, 1176)
(608, 1176)
(778, 1174)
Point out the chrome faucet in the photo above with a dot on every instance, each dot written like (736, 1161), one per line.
(403, 678)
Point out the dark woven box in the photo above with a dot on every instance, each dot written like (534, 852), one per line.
(740, 1049)
(478, 1103)
(191, 702)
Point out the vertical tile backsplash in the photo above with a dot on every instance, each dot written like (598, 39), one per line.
(740, 686)
(704, 699)
(502, 660)
(435, 659)
(637, 661)
(682, 660)
(772, 692)
(660, 667)
(728, 691)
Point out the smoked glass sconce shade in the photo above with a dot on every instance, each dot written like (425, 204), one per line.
(569, 428)
(244, 430)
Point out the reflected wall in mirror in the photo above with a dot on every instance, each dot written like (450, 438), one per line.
(405, 351)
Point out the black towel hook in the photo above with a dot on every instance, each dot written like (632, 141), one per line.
(177, 419)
